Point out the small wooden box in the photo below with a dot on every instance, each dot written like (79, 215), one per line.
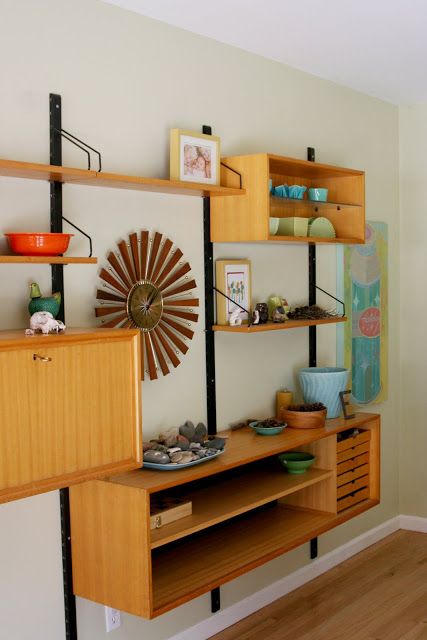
(164, 510)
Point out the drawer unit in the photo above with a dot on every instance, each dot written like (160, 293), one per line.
(353, 470)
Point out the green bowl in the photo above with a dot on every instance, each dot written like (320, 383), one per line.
(296, 462)
(266, 431)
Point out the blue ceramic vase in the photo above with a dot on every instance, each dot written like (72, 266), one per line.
(323, 384)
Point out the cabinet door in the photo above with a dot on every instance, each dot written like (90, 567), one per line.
(70, 412)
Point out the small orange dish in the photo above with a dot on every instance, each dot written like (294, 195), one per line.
(39, 244)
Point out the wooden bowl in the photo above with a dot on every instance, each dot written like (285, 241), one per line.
(39, 244)
(303, 419)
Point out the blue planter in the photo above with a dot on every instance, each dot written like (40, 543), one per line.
(323, 384)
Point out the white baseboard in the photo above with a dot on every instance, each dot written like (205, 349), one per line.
(226, 617)
(413, 523)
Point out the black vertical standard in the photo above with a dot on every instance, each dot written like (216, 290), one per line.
(209, 312)
(58, 285)
(210, 338)
(312, 335)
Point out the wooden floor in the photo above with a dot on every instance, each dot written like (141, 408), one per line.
(379, 594)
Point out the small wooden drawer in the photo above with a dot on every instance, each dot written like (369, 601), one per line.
(353, 441)
(354, 474)
(351, 487)
(352, 499)
(353, 463)
(354, 452)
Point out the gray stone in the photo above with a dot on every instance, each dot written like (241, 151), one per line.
(170, 441)
(187, 430)
(187, 456)
(155, 446)
(215, 443)
(177, 457)
(183, 442)
(158, 457)
(173, 450)
(195, 445)
(201, 430)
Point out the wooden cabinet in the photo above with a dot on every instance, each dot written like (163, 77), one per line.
(70, 408)
(246, 218)
(246, 511)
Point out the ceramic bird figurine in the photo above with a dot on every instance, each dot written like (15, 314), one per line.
(38, 303)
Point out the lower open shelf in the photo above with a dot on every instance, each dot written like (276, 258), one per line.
(233, 496)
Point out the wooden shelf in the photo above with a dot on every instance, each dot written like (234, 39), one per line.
(314, 240)
(231, 497)
(46, 260)
(35, 171)
(295, 203)
(196, 566)
(277, 326)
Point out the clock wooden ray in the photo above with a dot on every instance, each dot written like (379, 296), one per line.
(147, 285)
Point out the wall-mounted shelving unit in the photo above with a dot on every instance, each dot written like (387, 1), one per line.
(246, 511)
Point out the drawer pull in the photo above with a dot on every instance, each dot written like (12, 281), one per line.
(36, 356)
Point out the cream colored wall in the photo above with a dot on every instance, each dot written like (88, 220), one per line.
(125, 80)
(413, 171)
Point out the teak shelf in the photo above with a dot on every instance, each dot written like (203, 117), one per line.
(246, 511)
(246, 219)
(35, 171)
(46, 260)
(277, 326)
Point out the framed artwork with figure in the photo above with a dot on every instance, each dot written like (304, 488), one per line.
(194, 157)
(233, 278)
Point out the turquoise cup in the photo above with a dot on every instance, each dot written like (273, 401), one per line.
(318, 195)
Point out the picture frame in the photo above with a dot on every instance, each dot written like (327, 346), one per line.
(233, 277)
(194, 157)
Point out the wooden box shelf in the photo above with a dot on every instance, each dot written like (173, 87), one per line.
(246, 511)
(67, 415)
(246, 219)
(279, 326)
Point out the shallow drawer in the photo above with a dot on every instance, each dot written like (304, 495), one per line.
(353, 463)
(352, 475)
(353, 452)
(349, 443)
(351, 487)
(352, 499)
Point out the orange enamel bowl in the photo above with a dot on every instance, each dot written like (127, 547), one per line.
(39, 244)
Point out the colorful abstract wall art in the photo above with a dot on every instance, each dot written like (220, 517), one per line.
(362, 342)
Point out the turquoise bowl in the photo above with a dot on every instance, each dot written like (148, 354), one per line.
(281, 191)
(318, 195)
(323, 384)
(296, 462)
(266, 431)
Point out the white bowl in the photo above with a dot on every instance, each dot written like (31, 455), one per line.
(273, 225)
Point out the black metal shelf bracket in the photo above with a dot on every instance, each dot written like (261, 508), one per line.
(333, 298)
(80, 231)
(83, 146)
(233, 171)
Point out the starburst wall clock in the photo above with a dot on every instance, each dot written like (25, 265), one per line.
(147, 285)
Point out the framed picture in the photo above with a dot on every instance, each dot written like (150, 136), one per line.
(194, 157)
(232, 277)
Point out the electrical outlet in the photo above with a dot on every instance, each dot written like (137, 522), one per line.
(112, 619)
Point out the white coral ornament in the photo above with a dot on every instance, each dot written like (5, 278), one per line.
(44, 322)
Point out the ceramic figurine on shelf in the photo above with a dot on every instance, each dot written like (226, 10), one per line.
(273, 303)
(235, 319)
(38, 303)
(255, 316)
(286, 307)
(262, 310)
(44, 322)
(279, 314)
